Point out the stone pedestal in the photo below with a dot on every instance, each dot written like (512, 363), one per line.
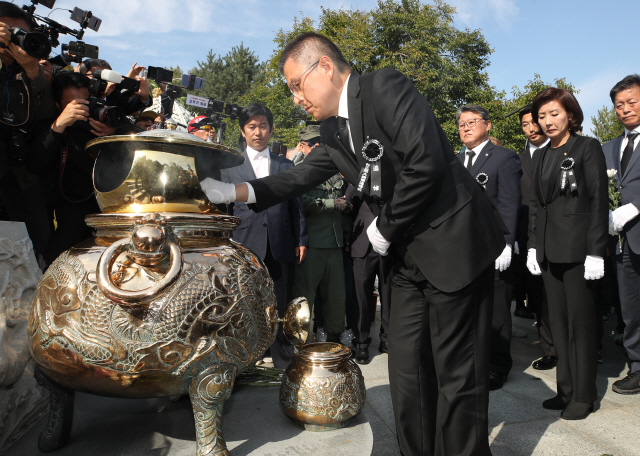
(22, 401)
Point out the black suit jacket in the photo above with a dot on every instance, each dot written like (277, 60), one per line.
(565, 227)
(283, 225)
(522, 231)
(362, 218)
(429, 201)
(503, 187)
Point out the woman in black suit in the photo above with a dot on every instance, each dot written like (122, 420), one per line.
(567, 244)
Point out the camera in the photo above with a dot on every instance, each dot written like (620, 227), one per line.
(77, 51)
(33, 43)
(159, 74)
(17, 147)
(112, 116)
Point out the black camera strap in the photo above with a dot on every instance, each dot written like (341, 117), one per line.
(8, 92)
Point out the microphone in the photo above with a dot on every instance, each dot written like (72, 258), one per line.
(108, 75)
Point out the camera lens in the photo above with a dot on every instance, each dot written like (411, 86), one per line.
(111, 115)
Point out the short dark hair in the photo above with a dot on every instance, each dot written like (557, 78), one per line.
(633, 80)
(524, 111)
(323, 45)
(10, 10)
(565, 98)
(88, 64)
(252, 110)
(65, 80)
(473, 108)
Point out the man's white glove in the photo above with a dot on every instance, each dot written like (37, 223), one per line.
(218, 192)
(516, 248)
(532, 263)
(378, 242)
(612, 232)
(504, 260)
(593, 267)
(622, 215)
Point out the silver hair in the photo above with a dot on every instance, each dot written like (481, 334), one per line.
(472, 108)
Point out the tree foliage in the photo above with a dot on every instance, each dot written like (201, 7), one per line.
(606, 124)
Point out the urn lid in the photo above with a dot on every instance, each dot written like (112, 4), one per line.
(157, 171)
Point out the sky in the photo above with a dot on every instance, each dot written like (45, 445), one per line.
(584, 41)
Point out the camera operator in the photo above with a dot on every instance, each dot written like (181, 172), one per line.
(130, 102)
(147, 120)
(25, 96)
(58, 145)
(200, 127)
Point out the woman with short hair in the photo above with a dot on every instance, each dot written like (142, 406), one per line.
(568, 227)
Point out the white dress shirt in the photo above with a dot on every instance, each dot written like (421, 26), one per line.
(625, 140)
(477, 150)
(343, 109)
(260, 161)
(533, 148)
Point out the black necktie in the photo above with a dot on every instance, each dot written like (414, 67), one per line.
(471, 154)
(343, 133)
(627, 153)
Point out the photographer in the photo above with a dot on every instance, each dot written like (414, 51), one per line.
(58, 145)
(130, 102)
(25, 96)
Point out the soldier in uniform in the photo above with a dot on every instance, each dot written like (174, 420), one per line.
(323, 270)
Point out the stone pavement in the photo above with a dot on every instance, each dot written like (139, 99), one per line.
(254, 425)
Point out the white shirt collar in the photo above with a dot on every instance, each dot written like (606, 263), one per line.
(343, 104)
(635, 130)
(479, 147)
(253, 154)
(533, 148)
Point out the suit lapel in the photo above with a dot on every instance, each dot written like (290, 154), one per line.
(634, 159)
(246, 167)
(274, 164)
(484, 155)
(356, 124)
(617, 143)
(526, 161)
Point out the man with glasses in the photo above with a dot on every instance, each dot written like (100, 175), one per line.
(498, 170)
(432, 218)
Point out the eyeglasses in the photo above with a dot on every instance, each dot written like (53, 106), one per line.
(472, 123)
(295, 85)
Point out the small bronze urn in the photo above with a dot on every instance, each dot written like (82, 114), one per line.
(161, 302)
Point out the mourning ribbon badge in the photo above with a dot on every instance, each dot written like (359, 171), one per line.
(568, 174)
(482, 179)
(372, 151)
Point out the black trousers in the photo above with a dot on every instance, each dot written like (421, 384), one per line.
(282, 275)
(439, 348)
(501, 361)
(628, 267)
(365, 271)
(574, 326)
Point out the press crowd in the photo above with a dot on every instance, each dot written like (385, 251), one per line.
(568, 205)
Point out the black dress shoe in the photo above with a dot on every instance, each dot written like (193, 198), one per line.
(523, 313)
(556, 403)
(545, 363)
(384, 347)
(496, 380)
(362, 356)
(578, 410)
(628, 385)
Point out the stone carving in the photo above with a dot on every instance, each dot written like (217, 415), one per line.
(22, 401)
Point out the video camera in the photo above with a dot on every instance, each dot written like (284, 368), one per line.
(216, 111)
(113, 116)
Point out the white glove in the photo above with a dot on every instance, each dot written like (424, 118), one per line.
(504, 260)
(622, 215)
(532, 263)
(612, 232)
(593, 267)
(516, 248)
(378, 242)
(218, 192)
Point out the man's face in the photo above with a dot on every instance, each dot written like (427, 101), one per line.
(627, 105)
(473, 130)
(257, 133)
(317, 86)
(72, 93)
(307, 146)
(532, 130)
(5, 56)
(145, 123)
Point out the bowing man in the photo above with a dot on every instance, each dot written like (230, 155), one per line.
(431, 217)
(498, 170)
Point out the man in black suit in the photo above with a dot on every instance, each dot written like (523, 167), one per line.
(532, 285)
(367, 264)
(431, 217)
(622, 155)
(279, 234)
(498, 170)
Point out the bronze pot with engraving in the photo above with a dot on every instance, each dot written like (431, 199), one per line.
(322, 389)
(161, 302)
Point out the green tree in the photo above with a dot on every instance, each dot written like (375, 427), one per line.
(446, 64)
(606, 124)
